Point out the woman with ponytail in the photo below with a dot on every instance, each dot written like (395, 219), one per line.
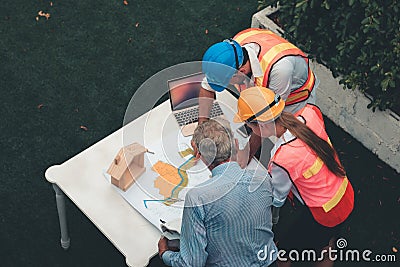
(303, 164)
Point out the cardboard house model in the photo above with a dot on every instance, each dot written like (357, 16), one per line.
(127, 166)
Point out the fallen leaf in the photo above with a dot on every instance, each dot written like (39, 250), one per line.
(40, 106)
(394, 249)
(137, 24)
(126, 2)
(206, 31)
(83, 128)
(43, 14)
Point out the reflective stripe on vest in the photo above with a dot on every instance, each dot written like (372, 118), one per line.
(316, 167)
(317, 186)
(313, 170)
(273, 48)
(337, 197)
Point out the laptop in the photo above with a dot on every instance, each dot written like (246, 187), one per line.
(184, 98)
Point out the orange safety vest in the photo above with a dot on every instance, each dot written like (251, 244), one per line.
(330, 198)
(273, 48)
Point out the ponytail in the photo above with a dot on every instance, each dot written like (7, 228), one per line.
(321, 147)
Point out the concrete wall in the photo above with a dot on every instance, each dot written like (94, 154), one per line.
(379, 131)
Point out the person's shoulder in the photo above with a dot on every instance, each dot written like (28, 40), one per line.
(205, 85)
(195, 193)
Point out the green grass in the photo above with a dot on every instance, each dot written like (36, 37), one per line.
(82, 67)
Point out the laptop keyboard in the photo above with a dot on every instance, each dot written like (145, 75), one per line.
(191, 115)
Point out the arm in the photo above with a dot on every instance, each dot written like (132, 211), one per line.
(206, 99)
(281, 185)
(245, 155)
(193, 240)
(281, 77)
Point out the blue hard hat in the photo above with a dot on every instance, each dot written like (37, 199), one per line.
(220, 63)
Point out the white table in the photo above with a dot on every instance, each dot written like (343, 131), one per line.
(81, 179)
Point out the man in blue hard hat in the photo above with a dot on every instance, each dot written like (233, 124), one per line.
(257, 57)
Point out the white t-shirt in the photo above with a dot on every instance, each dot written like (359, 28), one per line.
(281, 182)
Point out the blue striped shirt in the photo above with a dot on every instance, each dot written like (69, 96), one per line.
(226, 222)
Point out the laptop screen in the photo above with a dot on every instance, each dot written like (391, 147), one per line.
(184, 92)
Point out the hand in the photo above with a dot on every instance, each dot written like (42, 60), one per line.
(173, 245)
(162, 246)
(243, 157)
(202, 119)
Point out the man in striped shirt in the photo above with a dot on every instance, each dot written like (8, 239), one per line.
(227, 220)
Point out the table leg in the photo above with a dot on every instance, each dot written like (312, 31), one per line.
(65, 241)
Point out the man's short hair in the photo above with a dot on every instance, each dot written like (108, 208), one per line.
(214, 140)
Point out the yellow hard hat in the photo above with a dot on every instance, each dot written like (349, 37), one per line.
(258, 104)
